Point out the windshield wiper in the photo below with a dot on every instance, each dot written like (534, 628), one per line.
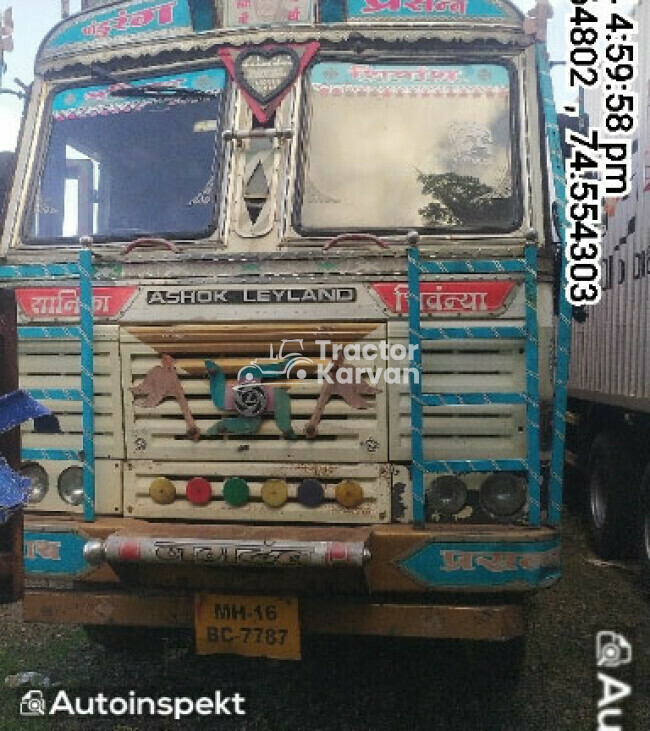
(149, 91)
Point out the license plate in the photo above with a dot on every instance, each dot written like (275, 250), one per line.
(265, 626)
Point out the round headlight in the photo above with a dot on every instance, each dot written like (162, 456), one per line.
(503, 495)
(40, 481)
(447, 494)
(71, 487)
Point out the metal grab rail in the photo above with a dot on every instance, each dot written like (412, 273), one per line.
(84, 332)
(418, 333)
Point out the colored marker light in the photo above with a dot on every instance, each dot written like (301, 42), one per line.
(71, 488)
(349, 493)
(162, 491)
(275, 493)
(236, 491)
(198, 491)
(311, 493)
(40, 481)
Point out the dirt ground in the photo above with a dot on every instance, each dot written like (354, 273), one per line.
(351, 685)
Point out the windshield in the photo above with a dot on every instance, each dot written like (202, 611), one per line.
(134, 163)
(408, 146)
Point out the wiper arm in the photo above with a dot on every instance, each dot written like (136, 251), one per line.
(151, 91)
(161, 92)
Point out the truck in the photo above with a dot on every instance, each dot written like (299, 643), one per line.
(284, 279)
(609, 396)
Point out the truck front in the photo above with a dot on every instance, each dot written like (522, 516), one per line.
(316, 384)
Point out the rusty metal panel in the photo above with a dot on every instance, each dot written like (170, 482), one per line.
(317, 616)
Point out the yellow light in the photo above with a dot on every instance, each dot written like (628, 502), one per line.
(274, 493)
(162, 491)
(349, 493)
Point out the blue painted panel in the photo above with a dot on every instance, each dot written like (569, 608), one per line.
(57, 455)
(96, 101)
(153, 18)
(486, 78)
(29, 332)
(426, 9)
(39, 271)
(484, 564)
(55, 553)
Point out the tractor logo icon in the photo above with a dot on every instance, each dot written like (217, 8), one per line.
(287, 365)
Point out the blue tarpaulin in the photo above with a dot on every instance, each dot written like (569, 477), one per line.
(15, 408)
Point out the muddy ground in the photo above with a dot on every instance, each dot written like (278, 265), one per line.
(368, 684)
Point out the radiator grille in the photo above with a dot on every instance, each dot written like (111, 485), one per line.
(345, 434)
(464, 431)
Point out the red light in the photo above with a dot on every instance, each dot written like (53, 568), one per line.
(198, 491)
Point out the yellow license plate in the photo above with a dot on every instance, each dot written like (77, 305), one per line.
(258, 626)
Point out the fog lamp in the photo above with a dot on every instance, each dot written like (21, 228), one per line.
(39, 479)
(71, 485)
(447, 494)
(503, 495)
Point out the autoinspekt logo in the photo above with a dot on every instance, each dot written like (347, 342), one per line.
(33, 704)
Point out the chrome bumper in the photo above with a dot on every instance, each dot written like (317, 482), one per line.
(240, 553)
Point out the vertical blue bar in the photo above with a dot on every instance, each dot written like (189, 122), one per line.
(532, 387)
(87, 385)
(563, 336)
(415, 339)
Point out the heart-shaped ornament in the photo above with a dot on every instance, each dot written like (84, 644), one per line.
(264, 74)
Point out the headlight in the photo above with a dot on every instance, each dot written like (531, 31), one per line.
(503, 495)
(40, 481)
(447, 495)
(71, 487)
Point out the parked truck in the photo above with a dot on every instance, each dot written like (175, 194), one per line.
(609, 388)
(284, 279)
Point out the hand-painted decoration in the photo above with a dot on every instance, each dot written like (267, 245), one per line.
(238, 13)
(484, 564)
(266, 73)
(95, 101)
(55, 554)
(55, 303)
(127, 22)
(15, 408)
(445, 297)
(251, 401)
(352, 393)
(391, 10)
(162, 382)
(337, 78)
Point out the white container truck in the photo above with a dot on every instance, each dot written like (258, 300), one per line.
(609, 388)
